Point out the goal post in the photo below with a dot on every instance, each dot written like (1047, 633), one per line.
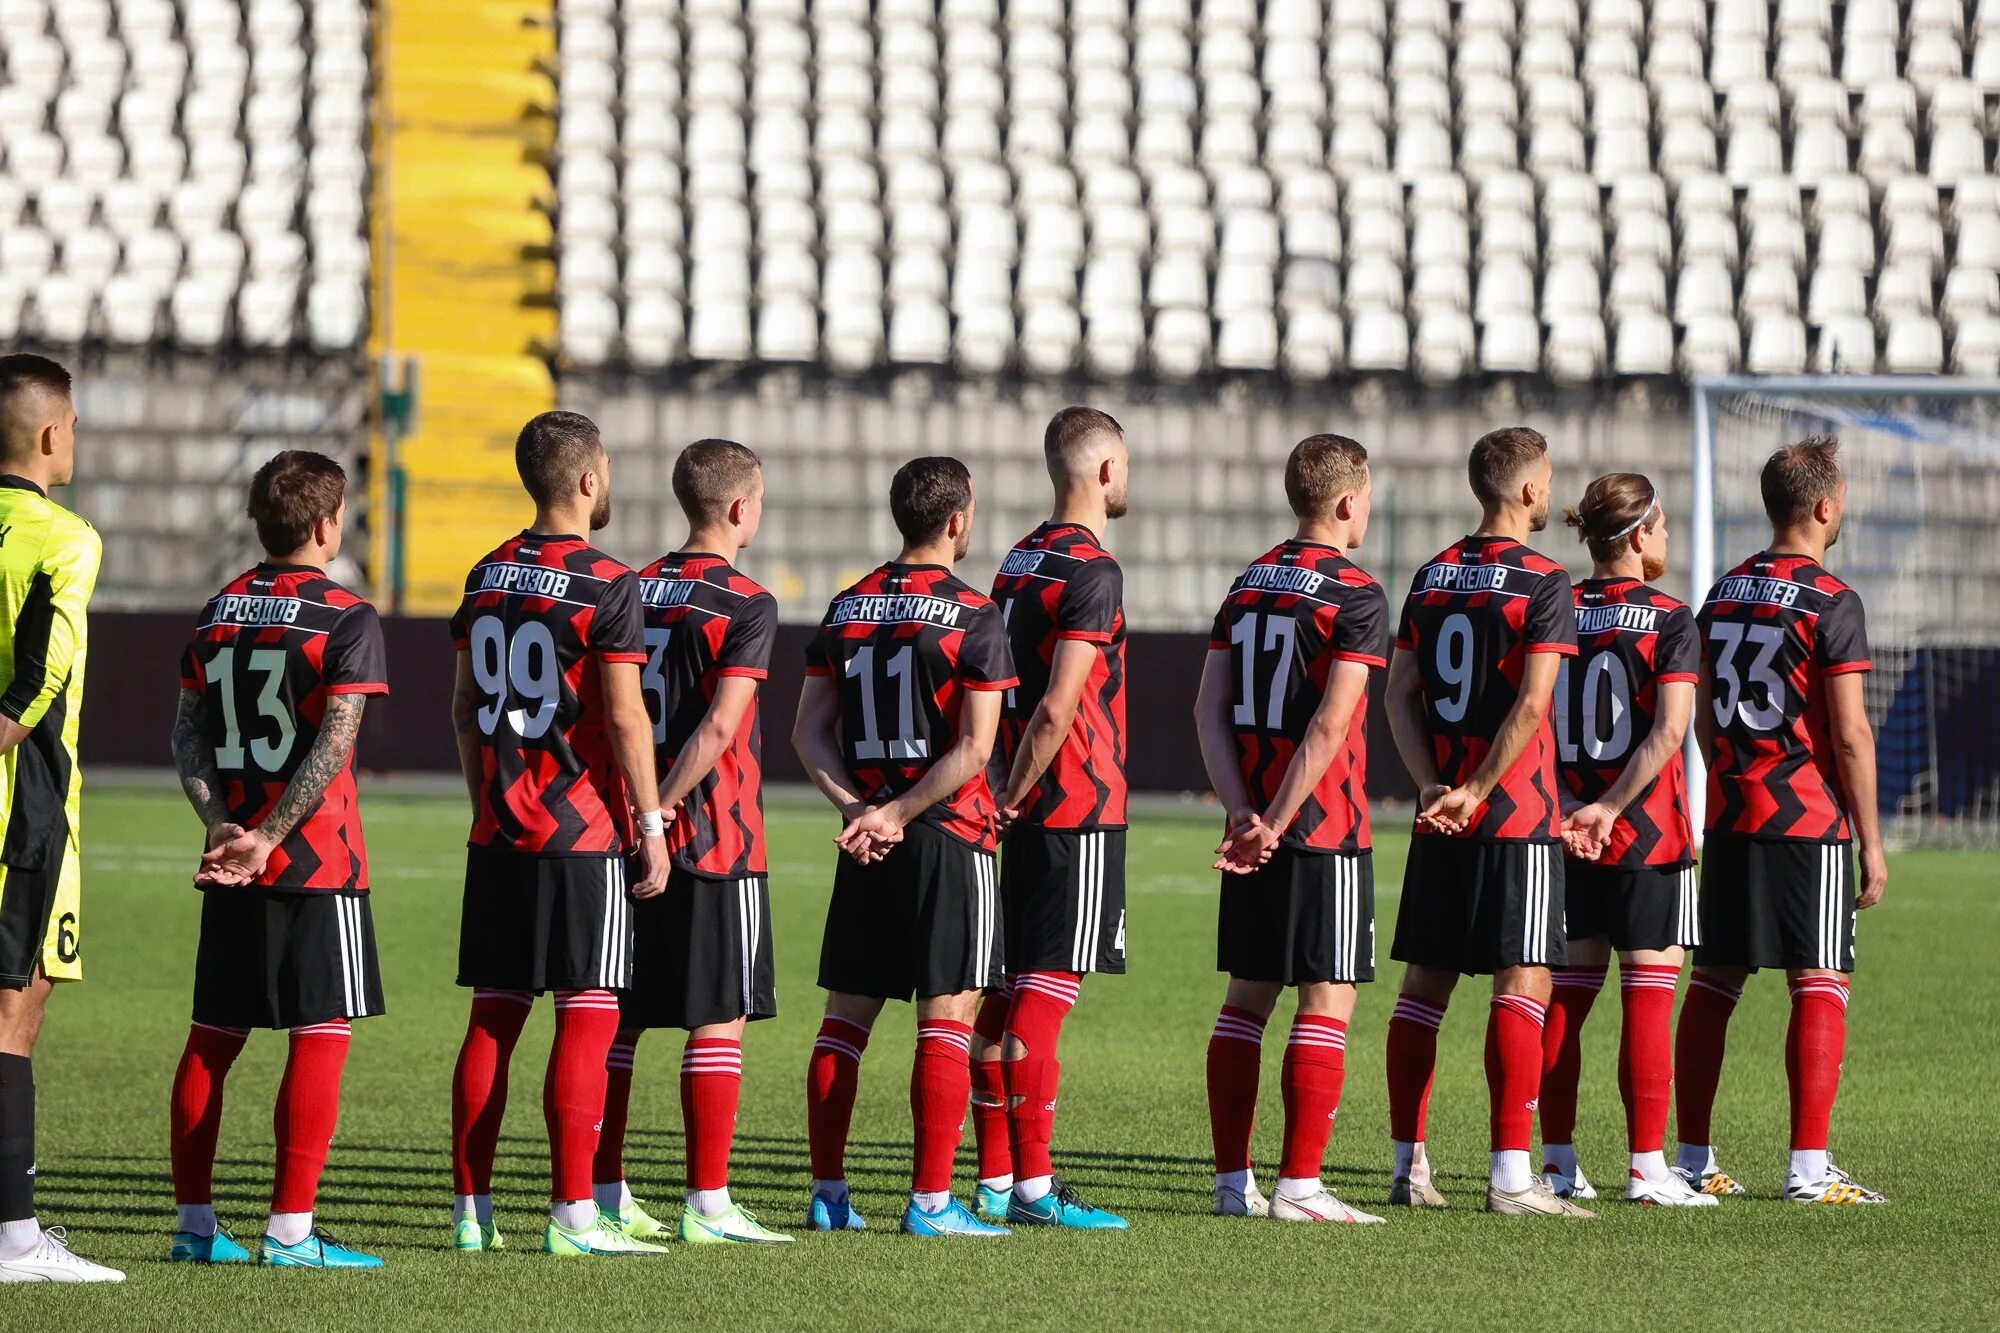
(1921, 544)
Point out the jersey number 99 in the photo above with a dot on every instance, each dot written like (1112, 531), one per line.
(519, 679)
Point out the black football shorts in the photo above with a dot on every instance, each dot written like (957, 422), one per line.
(1063, 895)
(923, 921)
(1776, 903)
(1635, 907)
(701, 954)
(542, 923)
(1300, 917)
(1481, 907)
(272, 959)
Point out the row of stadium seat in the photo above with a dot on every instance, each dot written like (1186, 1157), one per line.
(1287, 187)
(194, 171)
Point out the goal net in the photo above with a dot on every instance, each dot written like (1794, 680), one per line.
(1921, 543)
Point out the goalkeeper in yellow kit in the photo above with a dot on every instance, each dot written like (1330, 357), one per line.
(48, 567)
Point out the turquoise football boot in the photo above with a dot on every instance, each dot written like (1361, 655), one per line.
(954, 1219)
(1063, 1207)
(318, 1250)
(220, 1248)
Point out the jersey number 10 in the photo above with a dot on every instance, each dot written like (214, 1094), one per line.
(1607, 691)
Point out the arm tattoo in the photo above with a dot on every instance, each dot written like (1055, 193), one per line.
(195, 759)
(330, 752)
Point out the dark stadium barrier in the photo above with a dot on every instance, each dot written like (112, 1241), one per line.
(135, 659)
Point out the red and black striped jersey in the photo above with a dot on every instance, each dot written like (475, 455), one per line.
(1059, 583)
(705, 621)
(270, 649)
(1299, 608)
(1473, 615)
(904, 645)
(1631, 639)
(1774, 628)
(541, 614)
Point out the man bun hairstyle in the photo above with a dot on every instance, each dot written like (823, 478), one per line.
(1613, 507)
(553, 450)
(1798, 476)
(924, 495)
(709, 474)
(291, 493)
(1321, 469)
(1499, 458)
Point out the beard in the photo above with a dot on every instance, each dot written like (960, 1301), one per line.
(961, 544)
(1653, 567)
(1115, 504)
(1833, 536)
(1540, 518)
(600, 517)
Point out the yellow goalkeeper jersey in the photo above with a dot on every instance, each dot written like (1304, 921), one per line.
(48, 569)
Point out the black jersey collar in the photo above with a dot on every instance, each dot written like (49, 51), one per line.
(11, 482)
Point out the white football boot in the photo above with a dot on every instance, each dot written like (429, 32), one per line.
(1320, 1206)
(1671, 1192)
(52, 1261)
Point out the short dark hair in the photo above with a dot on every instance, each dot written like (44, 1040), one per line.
(1798, 476)
(24, 378)
(1499, 458)
(289, 494)
(1323, 468)
(924, 495)
(1612, 507)
(553, 450)
(711, 473)
(1070, 430)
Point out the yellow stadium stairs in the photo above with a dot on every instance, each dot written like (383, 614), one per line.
(464, 276)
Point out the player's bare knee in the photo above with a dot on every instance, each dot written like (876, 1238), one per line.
(959, 1007)
(1257, 997)
(1327, 999)
(860, 1010)
(1013, 1048)
(1533, 982)
(1429, 983)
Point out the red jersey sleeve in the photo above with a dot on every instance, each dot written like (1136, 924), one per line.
(618, 629)
(1551, 623)
(1406, 630)
(746, 647)
(1091, 600)
(461, 623)
(817, 661)
(1840, 640)
(1678, 656)
(1361, 630)
(985, 659)
(355, 662)
(192, 677)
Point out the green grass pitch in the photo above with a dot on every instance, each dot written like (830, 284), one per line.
(1915, 1119)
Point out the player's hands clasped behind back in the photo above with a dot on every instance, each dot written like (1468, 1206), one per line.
(235, 856)
(1586, 831)
(1247, 843)
(1447, 810)
(654, 865)
(871, 832)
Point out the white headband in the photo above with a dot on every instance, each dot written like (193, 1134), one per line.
(1652, 503)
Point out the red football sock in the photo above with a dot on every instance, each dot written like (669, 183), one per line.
(608, 1166)
(940, 1084)
(711, 1085)
(479, 1085)
(989, 1090)
(1645, 1053)
(1235, 1056)
(1815, 1042)
(195, 1118)
(1412, 1054)
(1041, 1001)
(1315, 1066)
(1513, 1069)
(831, 1077)
(573, 1088)
(308, 1109)
(1572, 991)
(1698, 1047)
